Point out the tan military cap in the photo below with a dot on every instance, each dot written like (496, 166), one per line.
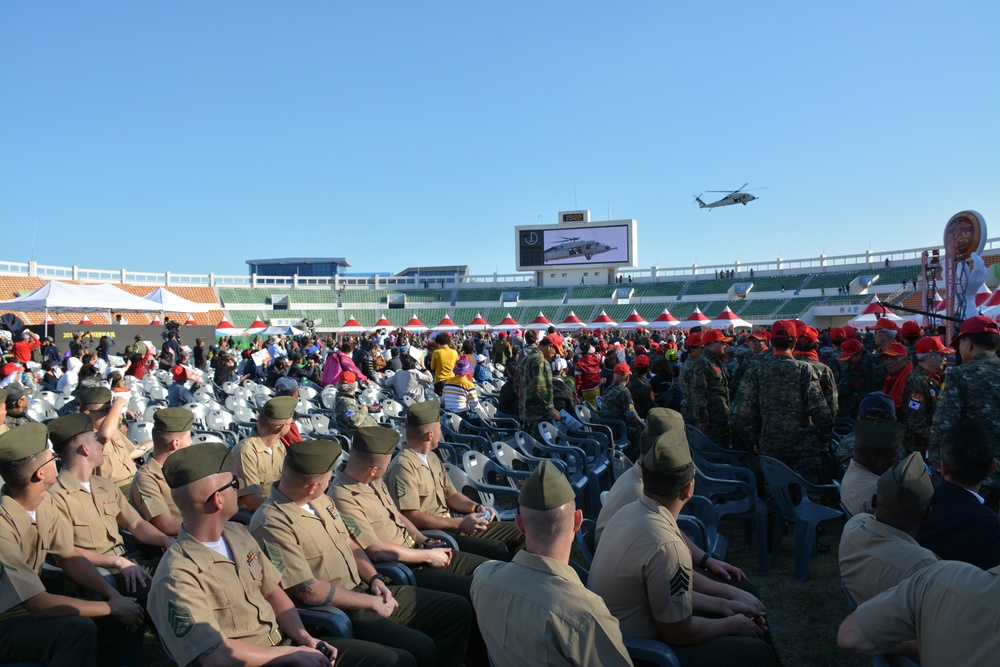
(196, 462)
(280, 407)
(172, 420)
(313, 457)
(93, 396)
(23, 441)
(374, 440)
(426, 412)
(658, 422)
(906, 484)
(546, 488)
(671, 450)
(63, 429)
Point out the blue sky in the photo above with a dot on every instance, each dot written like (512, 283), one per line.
(191, 136)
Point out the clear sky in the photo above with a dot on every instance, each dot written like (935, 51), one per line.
(191, 136)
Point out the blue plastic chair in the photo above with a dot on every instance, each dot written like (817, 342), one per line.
(652, 651)
(585, 539)
(704, 510)
(619, 463)
(804, 514)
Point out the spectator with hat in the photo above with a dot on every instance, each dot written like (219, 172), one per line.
(709, 386)
(257, 459)
(807, 350)
(289, 386)
(694, 347)
(617, 404)
(644, 571)
(458, 394)
(216, 598)
(425, 495)
(563, 393)
(758, 342)
(587, 373)
(24, 347)
(643, 397)
(783, 413)
(858, 376)
(972, 390)
(150, 494)
(536, 399)
(878, 551)
(501, 350)
(909, 334)
(36, 625)
(321, 562)
(898, 368)
(875, 447)
(348, 411)
(534, 610)
(16, 405)
(120, 453)
(831, 355)
(178, 393)
(921, 392)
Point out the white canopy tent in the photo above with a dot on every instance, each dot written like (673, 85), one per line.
(171, 303)
(60, 297)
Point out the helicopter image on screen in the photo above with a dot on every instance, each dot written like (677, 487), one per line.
(732, 197)
(573, 247)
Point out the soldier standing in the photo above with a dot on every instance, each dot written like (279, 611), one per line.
(535, 393)
(709, 384)
(617, 404)
(920, 395)
(694, 348)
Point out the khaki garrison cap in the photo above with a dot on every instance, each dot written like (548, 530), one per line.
(426, 412)
(545, 489)
(374, 440)
(313, 457)
(93, 396)
(671, 450)
(63, 429)
(172, 420)
(196, 462)
(879, 435)
(658, 422)
(280, 407)
(23, 441)
(906, 484)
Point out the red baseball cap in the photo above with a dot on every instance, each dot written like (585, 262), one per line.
(886, 323)
(761, 335)
(622, 369)
(179, 374)
(808, 334)
(932, 344)
(694, 340)
(977, 324)
(895, 350)
(837, 335)
(784, 329)
(910, 329)
(714, 336)
(850, 347)
(850, 332)
(348, 377)
(642, 361)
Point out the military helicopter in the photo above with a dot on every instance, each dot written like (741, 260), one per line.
(732, 197)
(572, 246)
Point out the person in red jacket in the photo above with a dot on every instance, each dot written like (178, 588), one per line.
(24, 347)
(588, 374)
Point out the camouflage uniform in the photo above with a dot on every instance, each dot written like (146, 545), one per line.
(617, 404)
(351, 414)
(830, 355)
(535, 393)
(785, 414)
(856, 383)
(709, 399)
(920, 396)
(827, 384)
(684, 379)
(970, 390)
(501, 352)
(642, 395)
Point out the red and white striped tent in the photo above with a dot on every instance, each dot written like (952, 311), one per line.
(156, 321)
(872, 313)
(664, 321)
(86, 320)
(633, 321)
(49, 320)
(727, 319)
(352, 326)
(695, 319)
(226, 328)
(982, 295)
(571, 322)
(446, 324)
(415, 325)
(602, 321)
(478, 324)
(190, 320)
(257, 326)
(508, 324)
(540, 323)
(382, 323)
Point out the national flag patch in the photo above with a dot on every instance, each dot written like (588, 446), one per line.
(914, 404)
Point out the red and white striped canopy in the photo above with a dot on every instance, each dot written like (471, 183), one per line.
(478, 324)
(633, 321)
(257, 326)
(508, 324)
(602, 321)
(695, 319)
(382, 323)
(727, 319)
(664, 321)
(571, 322)
(540, 323)
(446, 324)
(415, 325)
(352, 326)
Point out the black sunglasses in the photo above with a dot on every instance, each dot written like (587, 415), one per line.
(54, 458)
(235, 483)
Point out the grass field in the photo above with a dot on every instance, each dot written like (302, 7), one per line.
(803, 617)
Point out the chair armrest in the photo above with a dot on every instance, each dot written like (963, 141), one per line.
(694, 528)
(443, 536)
(331, 620)
(400, 574)
(651, 650)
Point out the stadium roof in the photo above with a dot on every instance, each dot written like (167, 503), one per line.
(339, 261)
(460, 269)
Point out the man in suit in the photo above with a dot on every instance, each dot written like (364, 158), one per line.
(961, 527)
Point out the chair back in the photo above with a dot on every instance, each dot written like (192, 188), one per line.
(619, 463)
(780, 479)
(585, 539)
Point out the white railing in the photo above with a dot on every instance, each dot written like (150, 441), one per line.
(776, 267)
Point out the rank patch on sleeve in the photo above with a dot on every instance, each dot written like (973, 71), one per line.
(181, 621)
(680, 582)
(274, 555)
(352, 526)
(400, 488)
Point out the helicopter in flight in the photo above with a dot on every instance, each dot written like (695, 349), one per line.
(572, 247)
(732, 197)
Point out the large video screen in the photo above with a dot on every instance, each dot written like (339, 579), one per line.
(581, 246)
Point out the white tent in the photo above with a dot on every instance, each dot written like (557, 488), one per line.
(58, 297)
(287, 330)
(171, 303)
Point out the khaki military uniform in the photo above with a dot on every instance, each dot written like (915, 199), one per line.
(426, 487)
(432, 626)
(874, 556)
(118, 465)
(534, 611)
(257, 466)
(643, 571)
(150, 494)
(857, 488)
(69, 641)
(625, 490)
(371, 516)
(952, 609)
(95, 515)
(4, 428)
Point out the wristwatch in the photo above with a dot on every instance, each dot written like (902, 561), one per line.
(704, 559)
(375, 576)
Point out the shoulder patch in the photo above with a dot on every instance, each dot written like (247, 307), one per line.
(400, 488)
(352, 526)
(274, 555)
(914, 404)
(680, 582)
(181, 621)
